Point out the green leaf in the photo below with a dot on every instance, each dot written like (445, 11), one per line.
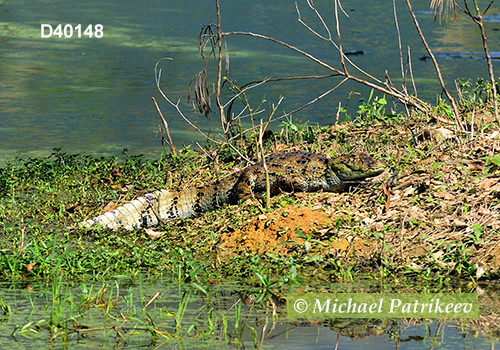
(261, 278)
(496, 159)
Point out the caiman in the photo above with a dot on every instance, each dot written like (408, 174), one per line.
(288, 172)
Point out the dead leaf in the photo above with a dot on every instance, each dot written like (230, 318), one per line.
(30, 266)
(154, 234)
(109, 207)
(480, 269)
(488, 182)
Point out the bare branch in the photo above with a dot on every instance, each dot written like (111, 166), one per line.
(330, 40)
(167, 130)
(436, 66)
(224, 123)
(403, 98)
(403, 75)
(411, 72)
(176, 105)
(286, 115)
(339, 37)
(488, 7)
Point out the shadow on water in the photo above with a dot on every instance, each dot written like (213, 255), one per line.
(93, 95)
(128, 313)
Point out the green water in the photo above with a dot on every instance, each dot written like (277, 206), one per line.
(93, 95)
(122, 313)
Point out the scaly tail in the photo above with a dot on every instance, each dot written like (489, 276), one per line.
(157, 207)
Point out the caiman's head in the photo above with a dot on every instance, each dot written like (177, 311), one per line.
(356, 166)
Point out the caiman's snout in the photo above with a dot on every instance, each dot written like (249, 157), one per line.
(357, 166)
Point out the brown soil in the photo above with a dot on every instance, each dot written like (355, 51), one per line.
(268, 232)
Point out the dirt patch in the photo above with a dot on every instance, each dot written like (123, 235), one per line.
(270, 232)
(264, 233)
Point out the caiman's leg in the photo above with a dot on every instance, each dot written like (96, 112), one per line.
(253, 183)
(244, 187)
(288, 183)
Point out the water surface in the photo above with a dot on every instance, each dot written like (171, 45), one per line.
(94, 95)
(117, 314)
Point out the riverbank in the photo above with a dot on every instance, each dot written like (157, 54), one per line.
(429, 222)
(432, 214)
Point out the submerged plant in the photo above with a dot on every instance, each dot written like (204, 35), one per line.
(4, 307)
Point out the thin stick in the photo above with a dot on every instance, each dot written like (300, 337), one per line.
(224, 123)
(165, 124)
(411, 72)
(339, 37)
(438, 71)
(151, 300)
(403, 75)
(268, 186)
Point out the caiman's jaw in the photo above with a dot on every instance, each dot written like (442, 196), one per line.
(356, 166)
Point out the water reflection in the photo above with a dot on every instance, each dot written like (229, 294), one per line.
(94, 95)
(131, 313)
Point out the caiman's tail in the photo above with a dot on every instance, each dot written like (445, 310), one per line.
(150, 210)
